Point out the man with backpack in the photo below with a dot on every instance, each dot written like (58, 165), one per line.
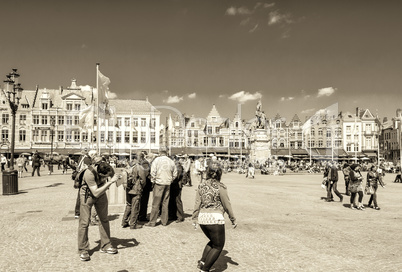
(135, 184)
(346, 174)
(332, 183)
(93, 183)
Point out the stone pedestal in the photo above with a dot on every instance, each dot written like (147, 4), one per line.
(260, 149)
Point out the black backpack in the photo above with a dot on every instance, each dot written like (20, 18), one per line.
(79, 176)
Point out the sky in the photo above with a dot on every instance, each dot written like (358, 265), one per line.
(296, 56)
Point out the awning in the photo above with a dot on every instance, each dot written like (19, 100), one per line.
(370, 153)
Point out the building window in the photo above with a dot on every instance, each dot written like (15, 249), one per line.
(61, 120)
(189, 142)
(143, 122)
(368, 128)
(44, 106)
(43, 137)
(118, 136)
(320, 143)
(35, 134)
(23, 119)
(153, 137)
(127, 136)
(119, 121)
(135, 122)
(320, 132)
(143, 137)
(189, 133)
(60, 136)
(77, 106)
(85, 136)
(217, 129)
(348, 129)
(110, 136)
(195, 142)
(4, 134)
(213, 140)
(23, 135)
(195, 133)
(221, 141)
(102, 136)
(69, 120)
(153, 122)
(76, 136)
(209, 130)
(68, 136)
(192, 124)
(312, 132)
(44, 119)
(126, 121)
(329, 133)
(35, 119)
(328, 143)
(135, 137)
(205, 141)
(76, 120)
(4, 119)
(69, 106)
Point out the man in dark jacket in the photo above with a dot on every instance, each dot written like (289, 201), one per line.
(147, 188)
(175, 203)
(135, 183)
(332, 183)
(36, 163)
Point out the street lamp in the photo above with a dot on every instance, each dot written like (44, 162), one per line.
(13, 94)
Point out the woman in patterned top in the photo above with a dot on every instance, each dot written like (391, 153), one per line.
(211, 203)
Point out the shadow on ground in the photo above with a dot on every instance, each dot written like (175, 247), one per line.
(222, 263)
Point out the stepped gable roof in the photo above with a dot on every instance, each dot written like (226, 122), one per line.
(295, 118)
(134, 105)
(214, 112)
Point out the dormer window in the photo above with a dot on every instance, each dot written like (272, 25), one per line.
(69, 106)
(77, 107)
(45, 106)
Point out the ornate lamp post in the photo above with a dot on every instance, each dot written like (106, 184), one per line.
(13, 95)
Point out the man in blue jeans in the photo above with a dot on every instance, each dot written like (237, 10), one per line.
(163, 172)
(93, 193)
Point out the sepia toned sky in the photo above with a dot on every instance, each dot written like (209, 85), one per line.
(298, 56)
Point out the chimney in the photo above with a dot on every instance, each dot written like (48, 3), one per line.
(357, 112)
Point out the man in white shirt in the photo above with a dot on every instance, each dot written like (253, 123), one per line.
(199, 168)
(163, 172)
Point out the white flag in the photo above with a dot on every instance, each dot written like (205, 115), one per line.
(103, 88)
(86, 117)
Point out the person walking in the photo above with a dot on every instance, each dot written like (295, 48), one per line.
(346, 171)
(186, 171)
(3, 161)
(36, 162)
(135, 184)
(199, 169)
(373, 178)
(211, 202)
(145, 162)
(163, 172)
(20, 164)
(356, 187)
(93, 193)
(175, 203)
(332, 182)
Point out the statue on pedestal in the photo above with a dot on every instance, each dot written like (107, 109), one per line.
(261, 121)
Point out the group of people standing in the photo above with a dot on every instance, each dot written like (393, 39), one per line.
(165, 178)
(354, 182)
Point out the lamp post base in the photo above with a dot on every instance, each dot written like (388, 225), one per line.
(10, 182)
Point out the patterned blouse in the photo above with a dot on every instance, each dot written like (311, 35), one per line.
(211, 203)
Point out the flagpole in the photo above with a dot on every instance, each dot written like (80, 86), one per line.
(97, 107)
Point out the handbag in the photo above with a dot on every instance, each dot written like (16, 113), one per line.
(369, 190)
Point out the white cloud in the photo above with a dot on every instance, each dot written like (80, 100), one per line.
(287, 98)
(268, 5)
(173, 99)
(222, 96)
(112, 95)
(326, 91)
(232, 11)
(253, 29)
(85, 87)
(245, 96)
(307, 111)
(275, 17)
(165, 91)
(192, 96)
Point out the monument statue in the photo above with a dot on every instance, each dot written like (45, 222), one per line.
(261, 118)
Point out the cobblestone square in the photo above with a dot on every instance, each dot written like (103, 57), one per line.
(283, 225)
